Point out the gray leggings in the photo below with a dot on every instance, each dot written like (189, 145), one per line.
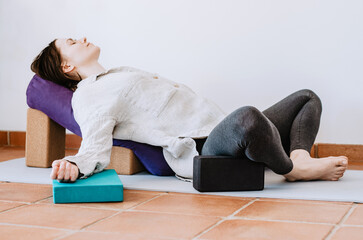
(267, 136)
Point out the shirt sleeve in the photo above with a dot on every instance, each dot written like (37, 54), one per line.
(95, 151)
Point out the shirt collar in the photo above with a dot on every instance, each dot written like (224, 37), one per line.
(93, 77)
(87, 81)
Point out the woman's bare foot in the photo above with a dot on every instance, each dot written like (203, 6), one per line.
(307, 168)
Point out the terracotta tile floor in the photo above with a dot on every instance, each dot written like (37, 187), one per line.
(27, 212)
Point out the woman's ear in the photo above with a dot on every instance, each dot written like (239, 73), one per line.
(67, 68)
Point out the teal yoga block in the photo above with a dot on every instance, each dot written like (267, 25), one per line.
(104, 186)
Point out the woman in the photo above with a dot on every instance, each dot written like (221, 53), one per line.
(127, 103)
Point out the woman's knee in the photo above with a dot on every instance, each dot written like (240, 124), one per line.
(313, 96)
(232, 133)
(308, 92)
(246, 118)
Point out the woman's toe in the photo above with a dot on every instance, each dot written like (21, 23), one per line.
(341, 169)
(341, 162)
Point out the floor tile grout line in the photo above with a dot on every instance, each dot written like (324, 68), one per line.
(204, 194)
(233, 217)
(225, 218)
(100, 220)
(243, 207)
(155, 197)
(65, 235)
(37, 226)
(35, 202)
(101, 208)
(340, 223)
(69, 231)
(208, 229)
(112, 232)
(118, 212)
(255, 219)
(85, 207)
(77, 206)
(132, 209)
(89, 207)
(279, 220)
(150, 192)
(305, 201)
(12, 201)
(173, 213)
(15, 208)
(351, 225)
(28, 183)
(28, 204)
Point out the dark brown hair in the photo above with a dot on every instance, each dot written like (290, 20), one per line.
(48, 66)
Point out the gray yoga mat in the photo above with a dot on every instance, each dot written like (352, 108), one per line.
(348, 189)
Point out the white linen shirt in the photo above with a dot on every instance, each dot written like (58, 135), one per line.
(131, 104)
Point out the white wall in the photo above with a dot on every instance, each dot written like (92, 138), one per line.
(234, 52)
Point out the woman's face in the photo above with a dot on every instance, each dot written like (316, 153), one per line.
(77, 53)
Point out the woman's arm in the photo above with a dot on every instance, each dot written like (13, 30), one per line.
(94, 153)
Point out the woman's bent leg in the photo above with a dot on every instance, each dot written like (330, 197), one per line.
(247, 132)
(297, 118)
(287, 128)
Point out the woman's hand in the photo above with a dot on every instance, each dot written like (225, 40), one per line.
(64, 171)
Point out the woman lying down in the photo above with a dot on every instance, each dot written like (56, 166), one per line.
(131, 104)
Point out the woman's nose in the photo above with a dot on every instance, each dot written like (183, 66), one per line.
(83, 40)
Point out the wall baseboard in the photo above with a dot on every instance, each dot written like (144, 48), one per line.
(353, 151)
(4, 138)
(18, 138)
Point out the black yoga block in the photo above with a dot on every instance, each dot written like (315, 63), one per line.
(226, 173)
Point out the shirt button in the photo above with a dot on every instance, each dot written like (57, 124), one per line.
(176, 85)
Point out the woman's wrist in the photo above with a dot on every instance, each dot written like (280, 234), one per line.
(79, 172)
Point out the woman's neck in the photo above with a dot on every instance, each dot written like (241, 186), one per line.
(91, 69)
